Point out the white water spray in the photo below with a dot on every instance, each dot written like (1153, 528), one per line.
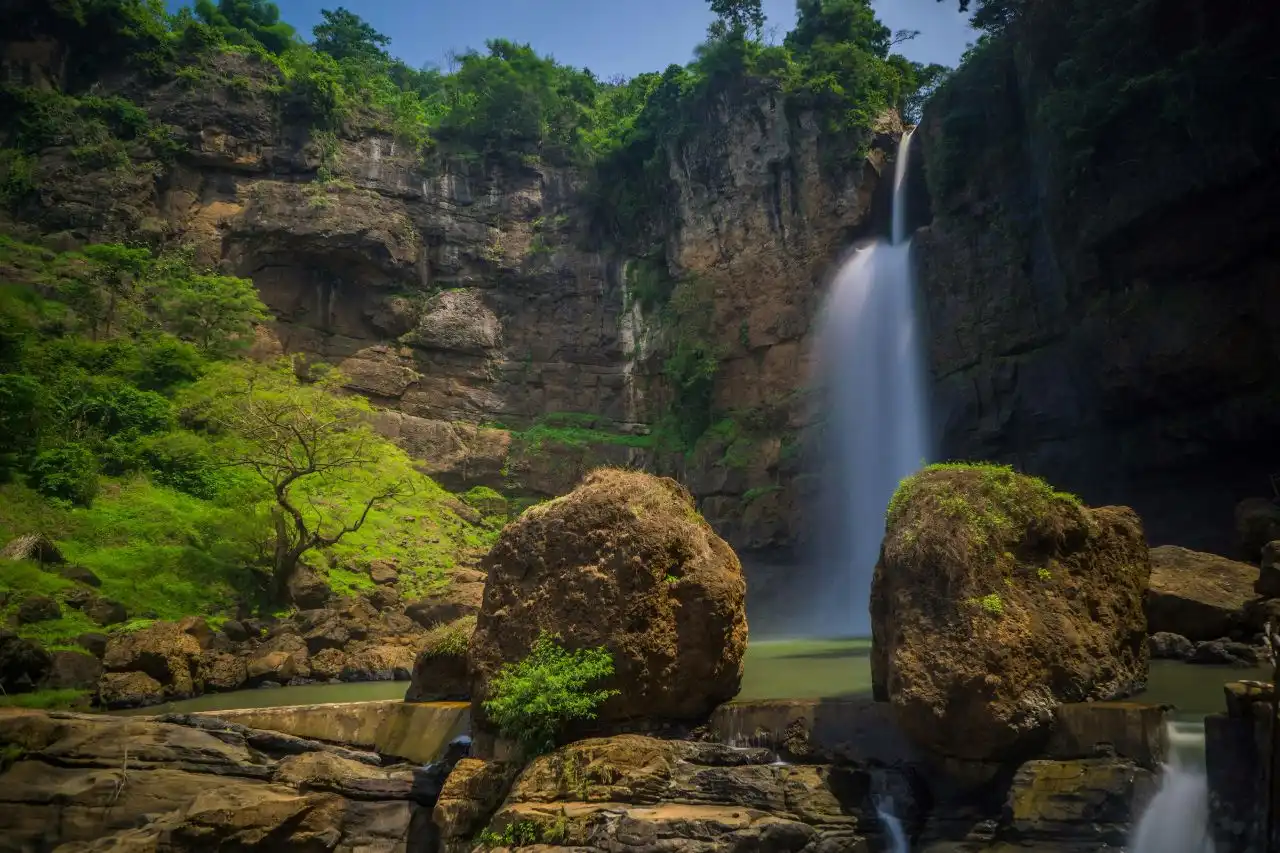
(1177, 819)
(872, 364)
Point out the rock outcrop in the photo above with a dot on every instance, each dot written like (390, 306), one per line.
(1200, 596)
(1098, 274)
(440, 670)
(996, 599)
(84, 783)
(624, 562)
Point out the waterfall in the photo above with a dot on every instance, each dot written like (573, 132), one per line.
(897, 835)
(871, 363)
(1177, 819)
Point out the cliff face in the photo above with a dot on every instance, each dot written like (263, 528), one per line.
(467, 300)
(1102, 300)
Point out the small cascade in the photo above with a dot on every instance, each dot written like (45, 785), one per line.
(871, 358)
(893, 826)
(1177, 819)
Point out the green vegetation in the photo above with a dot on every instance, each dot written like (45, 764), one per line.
(44, 700)
(450, 639)
(575, 429)
(532, 701)
(973, 507)
(128, 437)
(525, 833)
(991, 604)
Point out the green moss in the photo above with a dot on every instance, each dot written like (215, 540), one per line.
(992, 499)
(576, 429)
(450, 639)
(1044, 574)
(44, 700)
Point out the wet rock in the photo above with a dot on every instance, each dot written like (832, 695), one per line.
(1050, 610)
(670, 609)
(23, 664)
(94, 643)
(1200, 596)
(162, 651)
(105, 612)
(38, 608)
(235, 631)
(308, 590)
(1167, 646)
(80, 574)
(1224, 652)
(222, 672)
(128, 690)
(1257, 523)
(1268, 584)
(72, 671)
(1053, 801)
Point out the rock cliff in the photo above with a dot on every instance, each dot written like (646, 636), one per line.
(1099, 271)
(469, 299)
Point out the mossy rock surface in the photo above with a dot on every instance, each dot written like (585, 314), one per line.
(997, 598)
(624, 561)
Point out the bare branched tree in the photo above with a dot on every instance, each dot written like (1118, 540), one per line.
(298, 443)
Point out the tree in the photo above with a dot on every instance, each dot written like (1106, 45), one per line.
(109, 292)
(345, 35)
(992, 15)
(215, 312)
(740, 16)
(311, 447)
(248, 22)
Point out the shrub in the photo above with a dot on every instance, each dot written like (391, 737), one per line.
(532, 701)
(68, 472)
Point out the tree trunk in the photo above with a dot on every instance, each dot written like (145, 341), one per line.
(286, 562)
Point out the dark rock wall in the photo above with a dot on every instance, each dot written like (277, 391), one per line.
(1106, 312)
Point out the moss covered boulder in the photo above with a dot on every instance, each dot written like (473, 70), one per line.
(440, 669)
(996, 599)
(624, 561)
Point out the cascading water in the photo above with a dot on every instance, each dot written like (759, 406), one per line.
(872, 371)
(1177, 819)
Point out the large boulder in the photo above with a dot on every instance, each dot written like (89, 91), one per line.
(128, 690)
(38, 608)
(164, 652)
(440, 670)
(625, 562)
(1268, 583)
(308, 590)
(1200, 596)
(72, 671)
(1257, 523)
(996, 599)
(280, 659)
(23, 664)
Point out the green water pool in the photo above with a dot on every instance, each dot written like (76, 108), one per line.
(774, 669)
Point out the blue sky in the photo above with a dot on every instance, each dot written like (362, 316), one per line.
(608, 36)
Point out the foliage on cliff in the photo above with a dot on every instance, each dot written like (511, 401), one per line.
(1062, 81)
(113, 365)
